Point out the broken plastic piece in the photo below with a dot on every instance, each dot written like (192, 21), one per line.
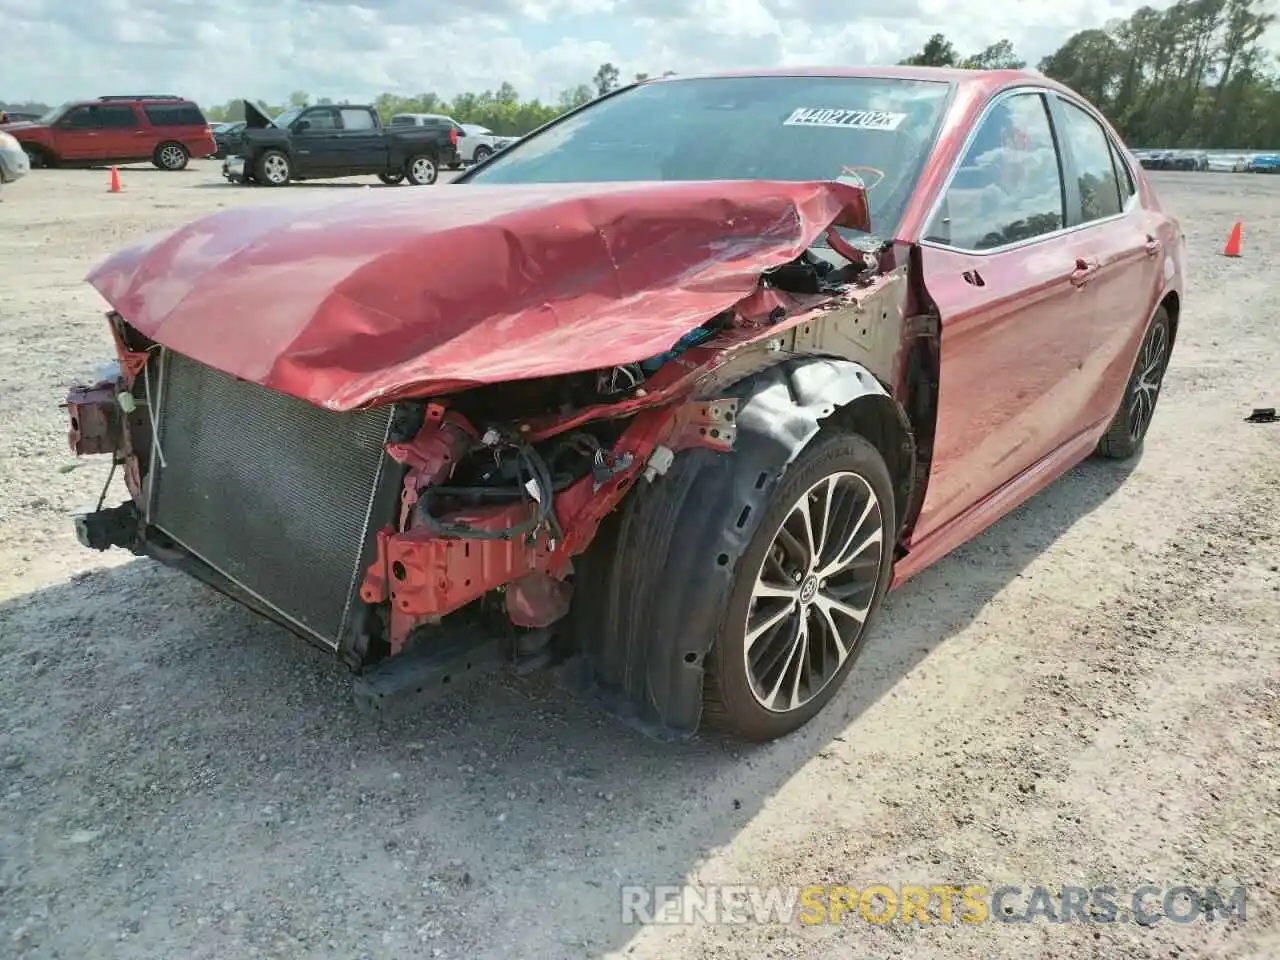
(659, 462)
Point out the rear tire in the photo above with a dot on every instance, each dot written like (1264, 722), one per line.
(171, 155)
(273, 169)
(422, 170)
(1128, 428)
(808, 631)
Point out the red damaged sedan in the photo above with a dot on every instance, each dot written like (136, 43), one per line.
(670, 392)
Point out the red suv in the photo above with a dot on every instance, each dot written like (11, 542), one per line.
(166, 130)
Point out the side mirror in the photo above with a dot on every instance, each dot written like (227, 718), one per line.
(301, 125)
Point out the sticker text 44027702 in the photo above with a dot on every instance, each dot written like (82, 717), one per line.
(852, 119)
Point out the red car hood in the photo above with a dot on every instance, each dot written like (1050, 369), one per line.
(400, 292)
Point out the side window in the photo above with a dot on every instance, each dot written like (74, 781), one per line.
(402, 121)
(117, 117)
(81, 118)
(1008, 186)
(184, 115)
(1123, 175)
(1091, 150)
(321, 119)
(357, 120)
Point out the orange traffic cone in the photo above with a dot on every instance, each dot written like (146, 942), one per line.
(1232, 249)
(115, 180)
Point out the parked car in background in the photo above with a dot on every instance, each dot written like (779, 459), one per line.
(480, 143)
(1155, 159)
(14, 163)
(228, 138)
(1227, 163)
(435, 121)
(1264, 163)
(339, 140)
(167, 130)
(683, 382)
(13, 116)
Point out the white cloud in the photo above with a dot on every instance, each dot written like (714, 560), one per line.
(215, 50)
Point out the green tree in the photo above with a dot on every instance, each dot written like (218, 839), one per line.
(999, 56)
(938, 51)
(606, 78)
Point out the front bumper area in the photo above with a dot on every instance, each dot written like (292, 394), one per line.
(233, 169)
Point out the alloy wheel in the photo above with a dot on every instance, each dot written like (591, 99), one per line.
(814, 591)
(1148, 377)
(423, 170)
(172, 157)
(276, 168)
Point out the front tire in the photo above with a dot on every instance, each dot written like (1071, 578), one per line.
(481, 155)
(171, 156)
(391, 179)
(1128, 428)
(273, 169)
(36, 158)
(422, 170)
(804, 592)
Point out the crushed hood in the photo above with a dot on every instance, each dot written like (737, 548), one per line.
(254, 118)
(384, 294)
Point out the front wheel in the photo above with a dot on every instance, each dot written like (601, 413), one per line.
(171, 156)
(1129, 427)
(422, 170)
(273, 169)
(34, 157)
(804, 591)
(481, 155)
(391, 179)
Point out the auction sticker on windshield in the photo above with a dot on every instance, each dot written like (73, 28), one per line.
(852, 119)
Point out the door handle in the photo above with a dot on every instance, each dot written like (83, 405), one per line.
(1084, 271)
(1152, 246)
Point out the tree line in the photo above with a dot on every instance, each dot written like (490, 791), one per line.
(1193, 75)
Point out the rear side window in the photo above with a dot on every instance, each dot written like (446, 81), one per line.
(120, 117)
(357, 120)
(1123, 175)
(174, 115)
(1008, 186)
(402, 121)
(1095, 172)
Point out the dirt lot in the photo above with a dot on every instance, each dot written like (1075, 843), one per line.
(1086, 695)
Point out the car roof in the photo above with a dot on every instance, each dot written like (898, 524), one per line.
(975, 81)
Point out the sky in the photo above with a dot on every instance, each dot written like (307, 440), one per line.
(217, 50)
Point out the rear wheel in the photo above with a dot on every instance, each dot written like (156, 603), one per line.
(804, 591)
(170, 156)
(391, 179)
(273, 169)
(422, 170)
(1129, 427)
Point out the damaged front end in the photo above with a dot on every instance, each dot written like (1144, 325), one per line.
(432, 534)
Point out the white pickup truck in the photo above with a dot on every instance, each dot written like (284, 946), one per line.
(475, 143)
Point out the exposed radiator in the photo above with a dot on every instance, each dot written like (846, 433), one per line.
(269, 490)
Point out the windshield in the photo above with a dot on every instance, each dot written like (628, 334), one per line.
(56, 113)
(287, 117)
(869, 130)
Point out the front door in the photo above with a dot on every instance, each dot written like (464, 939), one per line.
(76, 135)
(316, 149)
(363, 145)
(120, 135)
(1015, 310)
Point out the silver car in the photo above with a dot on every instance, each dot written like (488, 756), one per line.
(14, 162)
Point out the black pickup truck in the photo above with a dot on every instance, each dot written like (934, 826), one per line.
(338, 140)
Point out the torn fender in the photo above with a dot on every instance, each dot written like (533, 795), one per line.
(387, 294)
(683, 541)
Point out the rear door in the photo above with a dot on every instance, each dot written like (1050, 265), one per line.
(1015, 326)
(76, 135)
(121, 135)
(1121, 240)
(363, 144)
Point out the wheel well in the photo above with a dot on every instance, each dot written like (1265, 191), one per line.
(879, 420)
(44, 153)
(1172, 305)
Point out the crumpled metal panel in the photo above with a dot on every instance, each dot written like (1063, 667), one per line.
(392, 293)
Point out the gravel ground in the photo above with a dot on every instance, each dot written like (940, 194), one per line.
(1087, 694)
